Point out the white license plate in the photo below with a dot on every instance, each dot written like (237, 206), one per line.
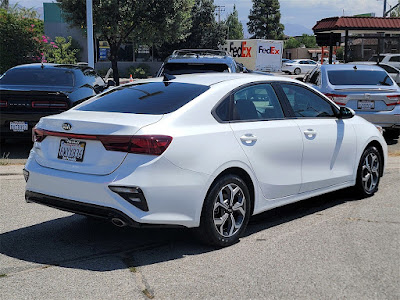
(71, 150)
(18, 126)
(365, 104)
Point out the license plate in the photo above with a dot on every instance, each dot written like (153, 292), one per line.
(365, 104)
(18, 126)
(71, 150)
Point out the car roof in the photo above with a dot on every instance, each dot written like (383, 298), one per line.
(81, 67)
(206, 59)
(350, 66)
(210, 79)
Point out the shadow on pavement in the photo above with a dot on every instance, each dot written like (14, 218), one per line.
(72, 241)
(15, 149)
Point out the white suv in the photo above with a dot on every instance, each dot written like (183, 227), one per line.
(392, 59)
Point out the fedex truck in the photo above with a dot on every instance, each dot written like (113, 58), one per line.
(258, 55)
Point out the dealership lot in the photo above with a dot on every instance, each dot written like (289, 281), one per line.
(328, 246)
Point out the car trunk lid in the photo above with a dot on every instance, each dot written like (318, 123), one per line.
(75, 141)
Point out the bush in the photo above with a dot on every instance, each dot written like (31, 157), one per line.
(19, 40)
(139, 71)
(61, 52)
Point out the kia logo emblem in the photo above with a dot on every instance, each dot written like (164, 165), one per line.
(66, 126)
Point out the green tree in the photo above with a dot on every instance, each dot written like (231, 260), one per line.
(206, 32)
(308, 40)
(120, 21)
(264, 20)
(20, 40)
(235, 28)
(61, 51)
(292, 43)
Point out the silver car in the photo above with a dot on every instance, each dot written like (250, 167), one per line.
(368, 90)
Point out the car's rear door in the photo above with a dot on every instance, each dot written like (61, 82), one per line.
(328, 156)
(272, 144)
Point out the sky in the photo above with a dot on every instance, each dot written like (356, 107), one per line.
(301, 12)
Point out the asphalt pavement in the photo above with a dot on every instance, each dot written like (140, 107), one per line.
(329, 247)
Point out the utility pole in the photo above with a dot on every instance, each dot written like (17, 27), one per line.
(219, 9)
(89, 25)
(384, 8)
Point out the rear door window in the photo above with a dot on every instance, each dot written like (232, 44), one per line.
(257, 102)
(147, 98)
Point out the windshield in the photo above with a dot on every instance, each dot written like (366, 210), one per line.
(154, 98)
(359, 77)
(190, 68)
(38, 76)
(375, 58)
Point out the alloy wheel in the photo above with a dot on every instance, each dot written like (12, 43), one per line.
(229, 210)
(370, 172)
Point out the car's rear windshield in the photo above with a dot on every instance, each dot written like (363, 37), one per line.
(189, 68)
(375, 58)
(148, 98)
(38, 76)
(359, 77)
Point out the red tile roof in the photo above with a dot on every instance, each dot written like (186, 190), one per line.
(359, 23)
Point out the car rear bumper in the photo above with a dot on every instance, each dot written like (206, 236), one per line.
(30, 117)
(386, 119)
(174, 196)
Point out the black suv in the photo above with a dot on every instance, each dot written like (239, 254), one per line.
(29, 92)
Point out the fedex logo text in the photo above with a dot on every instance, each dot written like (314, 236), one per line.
(270, 50)
(241, 51)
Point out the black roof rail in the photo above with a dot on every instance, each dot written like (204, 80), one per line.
(194, 52)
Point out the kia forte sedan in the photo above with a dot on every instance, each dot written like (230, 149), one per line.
(203, 151)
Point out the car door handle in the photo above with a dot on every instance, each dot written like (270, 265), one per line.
(310, 133)
(248, 138)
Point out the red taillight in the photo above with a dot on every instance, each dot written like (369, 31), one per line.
(395, 99)
(115, 143)
(149, 144)
(139, 144)
(49, 104)
(38, 135)
(336, 98)
(3, 103)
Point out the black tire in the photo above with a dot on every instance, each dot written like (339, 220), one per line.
(232, 210)
(369, 172)
(297, 71)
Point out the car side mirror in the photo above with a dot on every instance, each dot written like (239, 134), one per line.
(346, 113)
(111, 82)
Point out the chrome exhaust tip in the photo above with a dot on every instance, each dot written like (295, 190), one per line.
(118, 222)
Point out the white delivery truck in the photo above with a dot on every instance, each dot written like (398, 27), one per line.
(257, 54)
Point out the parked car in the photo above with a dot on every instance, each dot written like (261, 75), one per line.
(367, 89)
(204, 151)
(392, 71)
(189, 61)
(298, 66)
(29, 92)
(392, 59)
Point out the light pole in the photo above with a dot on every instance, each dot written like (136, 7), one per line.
(89, 25)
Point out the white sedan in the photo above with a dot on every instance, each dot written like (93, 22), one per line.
(201, 151)
(298, 66)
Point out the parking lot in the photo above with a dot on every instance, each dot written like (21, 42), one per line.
(332, 246)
